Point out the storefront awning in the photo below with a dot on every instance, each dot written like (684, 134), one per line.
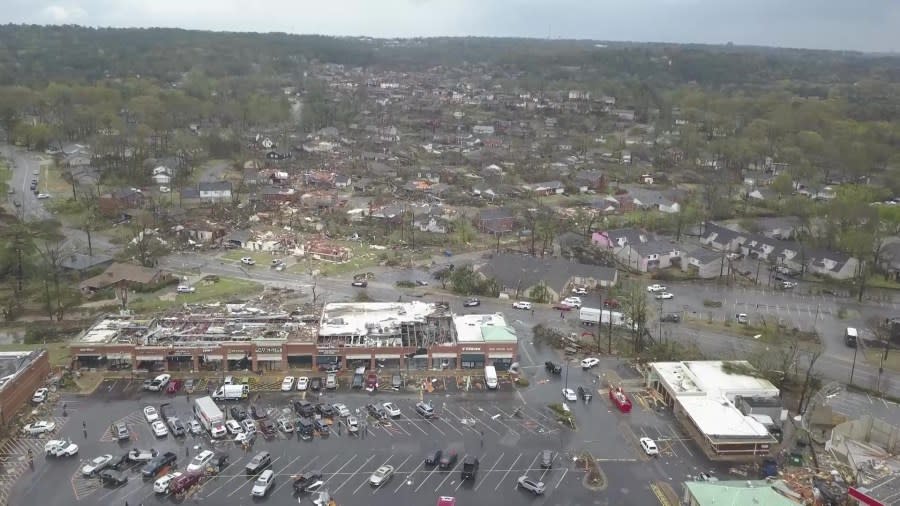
(87, 354)
(147, 358)
(237, 356)
(389, 355)
(443, 355)
(212, 357)
(500, 355)
(118, 356)
(276, 358)
(359, 357)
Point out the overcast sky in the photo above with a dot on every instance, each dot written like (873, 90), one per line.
(867, 25)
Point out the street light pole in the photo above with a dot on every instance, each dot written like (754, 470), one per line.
(567, 374)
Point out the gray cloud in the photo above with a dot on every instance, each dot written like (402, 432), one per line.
(867, 25)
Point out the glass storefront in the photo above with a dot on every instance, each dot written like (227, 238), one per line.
(472, 360)
(300, 361)
(354, 363)
(325, 362)
(502, 364)
(443, 363)
(180, 363)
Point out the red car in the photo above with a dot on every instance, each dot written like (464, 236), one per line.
(182, 483)
(446, 501)
(372, 381)
(611, 303)
(173, 386)
(562, 306)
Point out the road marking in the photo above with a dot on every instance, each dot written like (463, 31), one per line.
(433, 470)
(253, 479)
(438, 428)
(301, 470)
(393, 423)
(449, 473)
(366, 480)
(565, 472)
(483, 423)
(221, 474)
(332, 475)
(507, 472)
(354, 473)
(410, 474)
(396, 472)
(414, 424)
(490, 470)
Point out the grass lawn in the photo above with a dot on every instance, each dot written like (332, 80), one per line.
(5, 174)
(59, 352)
(747, 331)
(361, 258)
(220, 291)
(263, 259)
(878, 281)
(873, 356)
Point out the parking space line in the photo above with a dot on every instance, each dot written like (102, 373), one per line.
(507, 472)
(438, 428)
(396, 472)
(220, 474)
(491, 470)
(451, 426)
(395, 424)
(252, 479)
(414, 424)
(355, 473)
(462, 481)
(366, 478)
(410, 474)
(565, 471)
(428, 475)
(332, 475)
(471, 415)
(450, 473)
(301, 470)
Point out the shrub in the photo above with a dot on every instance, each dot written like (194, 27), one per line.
(405, 284)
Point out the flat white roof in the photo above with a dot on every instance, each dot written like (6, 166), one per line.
(371, 318)
(719, 417)
(469, 326)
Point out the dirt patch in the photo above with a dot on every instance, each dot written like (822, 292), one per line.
(594, 477)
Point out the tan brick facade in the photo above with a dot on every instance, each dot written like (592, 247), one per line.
(18, 391)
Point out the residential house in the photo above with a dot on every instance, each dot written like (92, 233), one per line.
(495, 220)
(889, 261)
(590, 180)
(120, 274)
(203, 231)
(651, 255)
(342, 181)
(518, 274)
(277, 195)
(81, 263)
(618, 238)
(832, 264)
(251, 176)
(215, 191)
(483, 130)
(326, 251)
(238, 239)
(319, 179)
(780, 227)
(114, 203)
(721, 238)
(546, 188)
(644, 198)
(706, 263)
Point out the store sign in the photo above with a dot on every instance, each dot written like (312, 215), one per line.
(327, 351)
(268, 349)
(501, 348)
(470, 348)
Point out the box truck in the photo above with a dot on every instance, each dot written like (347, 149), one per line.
(210, 416)
(490, 376)
(231, 393)
(594, 316)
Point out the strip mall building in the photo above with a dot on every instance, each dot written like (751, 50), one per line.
(410, 335)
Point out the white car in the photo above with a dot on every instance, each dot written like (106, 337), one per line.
(569, 394)
(159, 428)
(164, 189)
(96, 465)
(40, 395)
(664, 296)
(185, 289)
(573, 301)
(519, 304)
(233, 427)
(198, 463)
(579, 291)
(352, 425)
(195, 427)
(43, 196)
(59, 448)
(263, 483)
(40, 427)
(302, 383)
(656, 288)
(392, 410)
(649, 446)
(287, 384)
(381, 475)
(150, 414)
(248, 425)
(161, 486)
(589, 362)
(533, 486)
(248, 261)
(341, 409)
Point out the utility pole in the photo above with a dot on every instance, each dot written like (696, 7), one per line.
(853, 367)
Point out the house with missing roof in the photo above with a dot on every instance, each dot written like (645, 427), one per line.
(639, 250)
(519, 274)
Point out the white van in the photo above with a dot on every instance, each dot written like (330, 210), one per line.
(490, 376)
(850, 337)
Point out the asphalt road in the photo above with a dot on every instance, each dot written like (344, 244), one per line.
(24, 167)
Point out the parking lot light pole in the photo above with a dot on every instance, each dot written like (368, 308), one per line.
(567, 374)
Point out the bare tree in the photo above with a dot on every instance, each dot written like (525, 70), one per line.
(635, 307)
(812, 356)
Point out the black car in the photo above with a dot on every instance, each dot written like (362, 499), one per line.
(305, 428)
(259, 462)
(546, 459)
(155, 465)
(256, 413)
(552, 367)
(359, 284)
(302, 482)
(239, 413)
(670, 318)
(376, 411)
(432, 459)
(304, 408)
(469, 468)
(325, 410)
(322, 428)
(448, 459)
(113, 478)
(315, 383)
(473, 302)
(166, 411)
(120, 463)
(397, 381)
(585, 393)
(267, 427)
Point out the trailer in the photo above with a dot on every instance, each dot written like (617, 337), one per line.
(618, 397)
(594, 316)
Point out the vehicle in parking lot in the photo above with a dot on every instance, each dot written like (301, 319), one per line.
(371, 382)
(352, 425)
(469, 468)
(569, 394)
(43, 196)
(198, 463)
(656, 288)
(425, 409)
(259, 462)
(563, 306)
(285, 425)
(305, 428)
(302, 383)
(248, 261)
(552, 367)
(579, 291)
(391, 409)
(195, 427)
(176, 426)
(234, 427)
(39, 427)
(381, 476)
(238, 413)
(185, 289)
(120, 462)
(473, 302)
(573, 301)
(262, 484)
(325, 410)
(546, 459)
(161, 486)
(159, 383)
(159, 429)
(585, 393)
(331, 381)
(96, 464)
(649, 446)
(287, 384)
(519, 304)
(248, 425)
(321, 427)
(533, 486)
(60, 448)
(376, 411)
(665, 296)
(396, 381)
(589, 362)
(156, 464)
(120, 431)
(140, 455)
(304, 408)
(448, 459)
(182, 483)
(670, 318)
(40, 395)
(433, 458)
(315, 383)
(358, 380)
(113, 478)
(304, 482)
(446, 501)
(341, 409)
(267, 427)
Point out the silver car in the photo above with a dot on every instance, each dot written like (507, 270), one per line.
(533, 486)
